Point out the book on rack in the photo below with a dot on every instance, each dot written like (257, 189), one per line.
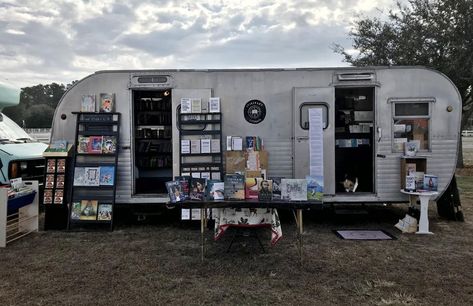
(87, 103)
(75, 211)
(196, 105)
(184, 182)
(174, 191)
(51, 166)
(57, 146)
(197, 189)
(92, 176)
(214, 105)
(195, 146)
(430, 182)
(265, 189)
(410, 169)
(185, 146)
(79, 176)
(410, 183)
(234, 187)
(315, 188)
(215, 190)
(205, 145)
(109, 144)
(215, 145)
(60, 181)
(61, 165)
(251, 188)
(294, 189)
(83, 144)
(107, 175)
(95, 144)
(186, 106)
(276, 188)
(419, 180)
(48, 196)
(104, 212)
(107, 102)
(88, 210)
(58, 196)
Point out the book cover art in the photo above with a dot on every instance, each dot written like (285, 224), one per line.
(107, 102)
(61, 165)
(184, 182)
(410, 169)
(107, 175)
(185, 146)
(88, 210)
(83, 144)
(60, 181)
(92, 176)
(48, 196)
(58, 196)
(174, 191)
(75, 211)
(87, 103)
(265, 189)
(58, 146)
(49, 181)
(95, 144)
(215, 145)
(410, 183)
(234, 186)
(186, 106)
(197, 191)
(79, 176)
(430, 182)
(196, 105)
(214, 105)
(251, 188)
(276, 188)
(215, 190)
(419, 180)
(51, 166)
(104, 212)
(315, 188)
(109, 144)
(205, 146)
(294, 189)
(195, 146)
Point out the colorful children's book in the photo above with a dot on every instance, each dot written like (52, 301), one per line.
(95, 144)
(265, 189)
(234, 186)
(107, 102)
(88, 210)
(294, 189)
(107, 175)
(58, 146)
(76, 211)
(92, 176)
(83, 144)
(104, 212)
(315, 188)
(79, 176)
(197, 189)
(109, 144)
(251, 188)
(87, 103)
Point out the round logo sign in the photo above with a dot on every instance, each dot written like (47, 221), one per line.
(254, 111)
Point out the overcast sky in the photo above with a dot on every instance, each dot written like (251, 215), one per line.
(44, 41)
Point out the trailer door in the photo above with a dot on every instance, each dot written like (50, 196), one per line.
(305, 98)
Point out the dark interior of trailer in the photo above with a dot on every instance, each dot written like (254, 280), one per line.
(152, 128)
(354, 124)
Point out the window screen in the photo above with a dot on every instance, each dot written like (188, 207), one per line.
(304, 113)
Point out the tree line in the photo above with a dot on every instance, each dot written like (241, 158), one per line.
(37, 105)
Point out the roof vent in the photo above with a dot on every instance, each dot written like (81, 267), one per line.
(150, 80)
(366, 76)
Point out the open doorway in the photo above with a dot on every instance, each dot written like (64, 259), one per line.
(152, 130)
(354, 139)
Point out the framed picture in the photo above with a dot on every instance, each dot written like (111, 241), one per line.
(107, 102)
(87, 103)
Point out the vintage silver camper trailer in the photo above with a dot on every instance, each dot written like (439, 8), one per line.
(368, 114)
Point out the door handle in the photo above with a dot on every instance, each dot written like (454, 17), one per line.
(300, 138)
(380, 133)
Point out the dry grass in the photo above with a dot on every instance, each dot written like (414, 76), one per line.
(159, 263)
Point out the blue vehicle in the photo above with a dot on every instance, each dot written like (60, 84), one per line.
(20, 154)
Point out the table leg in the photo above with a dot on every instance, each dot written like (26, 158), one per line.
(300, 226)
(202, 239)
(424, 215)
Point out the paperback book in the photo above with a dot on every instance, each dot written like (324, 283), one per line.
(430, 182)
(197, 191)
(95, 144)
(215, 190)
(83, 144)
(57, 146)
(234, 187)
(276, 188)
(87, 103)
(205, 145)
(109, 144)
(92, 176)
(294, 189)
(214, 105)
(104, 212)
(184, 182)
(79, 176)
(185, 146)
(265, 189)
(88, 210)
(75, 211)
(107, 102)
(196, 105)
(315, 188)
(251, 188)
(107, 175)
(174, 191)
(186, 106)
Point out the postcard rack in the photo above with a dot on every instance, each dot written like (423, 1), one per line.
(95, 161)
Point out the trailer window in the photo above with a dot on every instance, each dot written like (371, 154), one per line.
(304, 113)
(411, 121)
